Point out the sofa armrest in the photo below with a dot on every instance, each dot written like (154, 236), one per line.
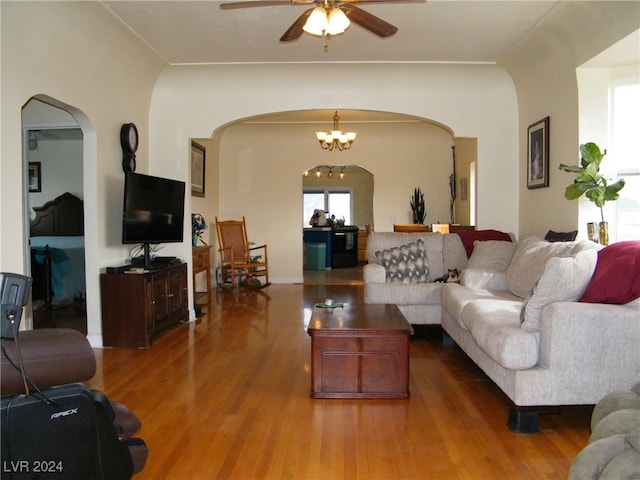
(374, 273)
(484, 278)
(592, 348)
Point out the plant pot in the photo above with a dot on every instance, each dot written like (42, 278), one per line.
(603, 233)
(592, 232)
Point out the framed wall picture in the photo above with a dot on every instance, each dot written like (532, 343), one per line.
(35, 177)
(197, 169)
(538, 154)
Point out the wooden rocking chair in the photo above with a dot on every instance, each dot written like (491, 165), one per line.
(241, 263)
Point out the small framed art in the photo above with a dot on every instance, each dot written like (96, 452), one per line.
(197, 169)
(538, 154)
(35, 177)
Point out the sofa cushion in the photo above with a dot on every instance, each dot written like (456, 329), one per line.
(454, 298)
(619, 422)
(563, 280)
(617, 275)
(492, 254)
(405, 263)
(470, 237)
(529, 261)
(484, 278)
(612, 402)
(453, 255)
(495, 326)
(591, 461)
(404, 293)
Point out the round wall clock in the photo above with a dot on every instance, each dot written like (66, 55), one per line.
(129, 142)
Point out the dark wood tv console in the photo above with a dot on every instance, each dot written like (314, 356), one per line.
(136, 306)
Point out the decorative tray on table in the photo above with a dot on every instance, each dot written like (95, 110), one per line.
(329, 305)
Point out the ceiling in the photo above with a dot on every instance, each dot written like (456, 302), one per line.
(185, 32)
(199, 32)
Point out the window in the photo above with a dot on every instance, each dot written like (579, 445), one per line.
(336, 201)
(625, 125)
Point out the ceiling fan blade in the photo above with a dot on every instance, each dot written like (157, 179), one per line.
(254, 3)
(367, 20)
(384, 1)
(295, 30)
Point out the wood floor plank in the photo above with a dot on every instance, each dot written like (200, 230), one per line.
(227, 397)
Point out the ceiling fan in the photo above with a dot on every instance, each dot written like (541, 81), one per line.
(336, 14)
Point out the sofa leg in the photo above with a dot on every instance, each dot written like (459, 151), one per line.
(447, 341)
(522, 420)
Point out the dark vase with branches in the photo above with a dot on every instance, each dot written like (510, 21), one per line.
(418, 207)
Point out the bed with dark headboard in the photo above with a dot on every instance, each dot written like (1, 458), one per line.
(57, 250)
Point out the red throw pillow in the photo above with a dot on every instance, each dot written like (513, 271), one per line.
(617, 275)
(468, 237)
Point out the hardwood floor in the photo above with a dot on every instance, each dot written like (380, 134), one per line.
(227, 397)
(335, 276)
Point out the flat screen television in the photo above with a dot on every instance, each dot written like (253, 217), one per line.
(153, 211)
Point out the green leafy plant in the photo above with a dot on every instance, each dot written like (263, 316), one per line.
(418, 207)
(589, 181)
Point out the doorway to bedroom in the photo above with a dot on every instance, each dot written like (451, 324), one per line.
(53, 159)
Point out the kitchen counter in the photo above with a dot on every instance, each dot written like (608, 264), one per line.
(341, 244)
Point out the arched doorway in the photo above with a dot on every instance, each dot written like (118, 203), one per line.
(345, 194)
(53, 152)
(261, 160)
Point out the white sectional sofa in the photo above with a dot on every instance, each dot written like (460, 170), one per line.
(417, 296)
(540, 345)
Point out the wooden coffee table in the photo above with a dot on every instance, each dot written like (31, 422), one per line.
(359, 351)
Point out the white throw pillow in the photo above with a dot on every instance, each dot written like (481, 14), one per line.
(564, 280)
(529, 261)
(492, 254)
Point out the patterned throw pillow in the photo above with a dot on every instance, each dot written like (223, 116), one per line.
(405, 263)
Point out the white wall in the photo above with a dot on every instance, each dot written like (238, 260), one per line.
(78, 57)
(593, 87)
(472, 101)
(543, 67)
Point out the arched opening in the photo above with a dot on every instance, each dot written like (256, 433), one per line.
(260, 161)
(56, 142)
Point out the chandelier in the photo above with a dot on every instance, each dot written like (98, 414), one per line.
(330, 169)
(325, 21)
(336, 138)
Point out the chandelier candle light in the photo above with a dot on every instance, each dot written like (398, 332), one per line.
(336, 138)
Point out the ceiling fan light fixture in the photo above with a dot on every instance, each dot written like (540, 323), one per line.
(317, 22)
(338, 22)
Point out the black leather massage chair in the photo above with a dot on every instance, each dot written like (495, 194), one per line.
(52, 426)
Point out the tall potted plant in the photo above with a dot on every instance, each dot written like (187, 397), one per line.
(418, 207)
(591, 183)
